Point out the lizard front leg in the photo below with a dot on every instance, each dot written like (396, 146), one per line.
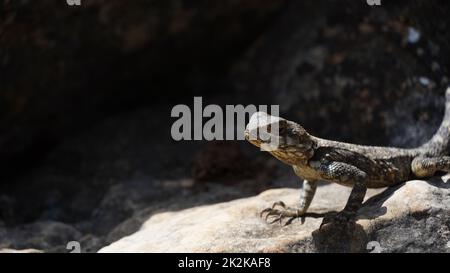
(306, 196)
(346, 174)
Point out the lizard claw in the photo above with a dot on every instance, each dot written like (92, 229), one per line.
(278, 219)
(281, 214)
(272, 210)
(279, 203)
(269, 212)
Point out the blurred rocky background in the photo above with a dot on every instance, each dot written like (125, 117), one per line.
(86, 93)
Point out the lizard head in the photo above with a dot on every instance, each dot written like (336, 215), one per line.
(284, 139)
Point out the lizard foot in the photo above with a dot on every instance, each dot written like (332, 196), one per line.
(341, 218)
(282, 213)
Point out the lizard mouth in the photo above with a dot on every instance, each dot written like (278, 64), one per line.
(258, 137)
(268, 141)
(260, 129)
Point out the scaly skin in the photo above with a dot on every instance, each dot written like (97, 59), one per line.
(356, 166)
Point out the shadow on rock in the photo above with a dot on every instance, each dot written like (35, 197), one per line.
(373, 207)
(335, 238)
(440, 181)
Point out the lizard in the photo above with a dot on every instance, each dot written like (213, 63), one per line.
(361, 167)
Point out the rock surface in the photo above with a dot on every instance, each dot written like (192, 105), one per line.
(30, 250)
(413, 217)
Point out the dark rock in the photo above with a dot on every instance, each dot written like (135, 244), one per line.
(120, 202)
(221, 161)
(63, 67)
(48, 236)
(344, 72)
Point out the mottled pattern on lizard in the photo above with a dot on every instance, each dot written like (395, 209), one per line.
(357, 166)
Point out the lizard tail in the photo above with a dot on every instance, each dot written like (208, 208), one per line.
(439, 144)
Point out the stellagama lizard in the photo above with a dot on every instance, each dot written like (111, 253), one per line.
(357, 166)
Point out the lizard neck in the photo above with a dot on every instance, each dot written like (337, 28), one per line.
(296, 156)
